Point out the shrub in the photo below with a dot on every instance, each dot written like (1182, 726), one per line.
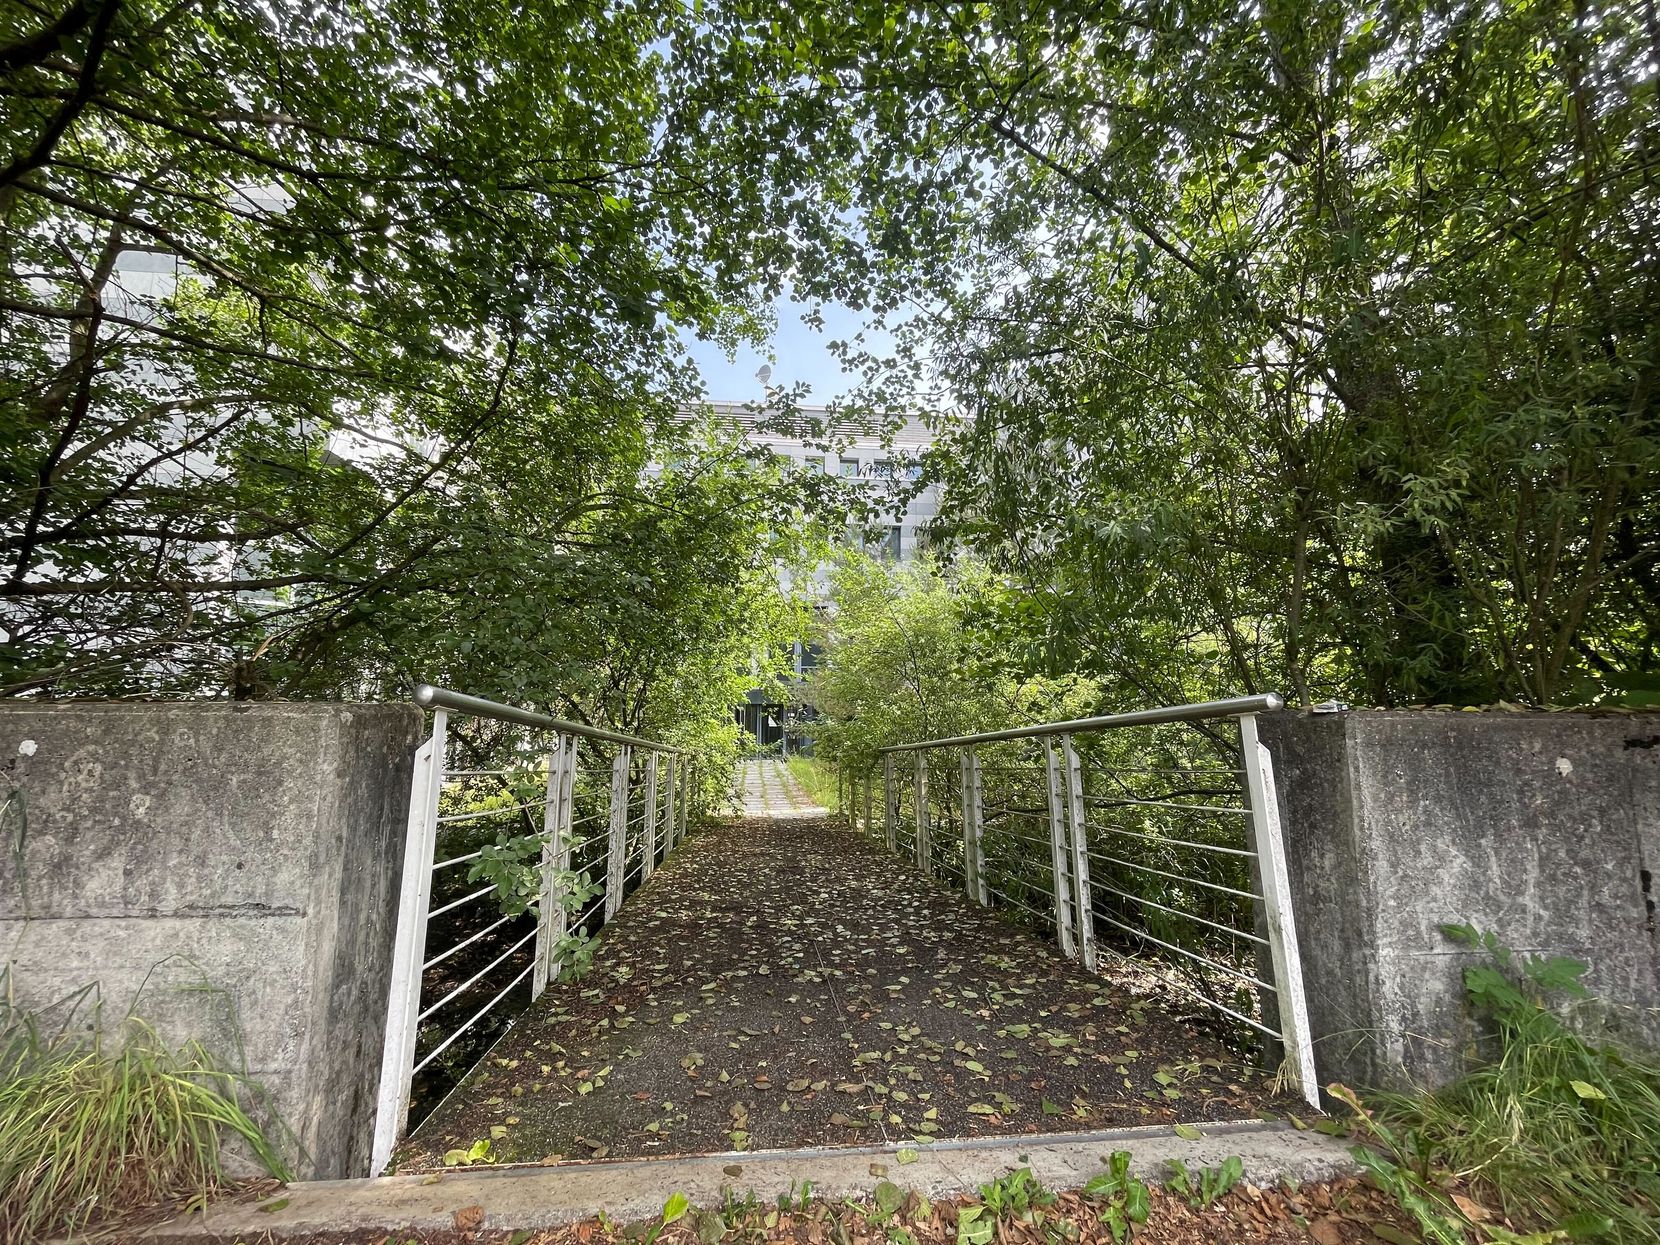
(91, 1127)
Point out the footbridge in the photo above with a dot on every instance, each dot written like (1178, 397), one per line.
(606, 950)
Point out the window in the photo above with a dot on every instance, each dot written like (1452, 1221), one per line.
(849, 468)
(881, 469)
(892, 546)
(814, 462)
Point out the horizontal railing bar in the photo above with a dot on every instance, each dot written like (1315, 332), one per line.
(1106, 767)
(593, 906)
(467, 942)
(429, 697)
(456, 903)
(1024, 838)
(1188, 916)
(1230, 708)
(477, 1016)
(1187, 986)
(1042, 814)
(456, 860)
(1113, 801)
(1170, 946)
(476, 977)
(1176, 877)
(1155, 838)
(1042, 916)
(452, 818)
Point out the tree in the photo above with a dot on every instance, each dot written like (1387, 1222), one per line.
(1314, 344)
(342, 347)
(904, 661)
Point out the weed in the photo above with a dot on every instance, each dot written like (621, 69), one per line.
(89, 1129)
(1552, 1132)
(1201, 1191)
(1017, 1197)
(1126, 1199)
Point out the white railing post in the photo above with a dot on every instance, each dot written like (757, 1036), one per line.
(1058, 852)
(974, 845)
(920, 800)
(616, 855)
(1269, 845)
(671, 779)
(546, 898)
(890, 800)
(651, 817)
(686, 781)
(397, 1059)
(552, 919)
(1078, 835)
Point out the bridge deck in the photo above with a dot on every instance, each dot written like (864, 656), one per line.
(781, 982)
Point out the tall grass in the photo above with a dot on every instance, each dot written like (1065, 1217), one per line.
(91, 1127)
(818, 778)
(1550, 1132)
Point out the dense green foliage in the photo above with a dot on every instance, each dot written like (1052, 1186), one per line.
(1299, 345)
(1309, 347)
(342, 349)
(1548, 1131)
(904, 663)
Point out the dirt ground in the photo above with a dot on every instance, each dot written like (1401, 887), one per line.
(782, 982)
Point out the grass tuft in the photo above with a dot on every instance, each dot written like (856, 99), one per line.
(1551, 1132)
(817, 778)
(91, 1128)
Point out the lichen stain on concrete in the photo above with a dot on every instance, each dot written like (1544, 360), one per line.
(1564, 767)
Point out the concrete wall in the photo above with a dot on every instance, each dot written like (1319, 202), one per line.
(254, 849)
(1544, 828)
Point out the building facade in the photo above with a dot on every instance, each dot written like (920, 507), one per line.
(774, 715)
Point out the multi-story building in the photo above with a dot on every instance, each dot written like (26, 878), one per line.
(863, 456)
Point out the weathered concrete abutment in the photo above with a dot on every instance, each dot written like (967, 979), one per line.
(252, 849)
(1541, 827)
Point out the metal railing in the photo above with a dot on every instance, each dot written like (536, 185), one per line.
(494, 787)
(1153, 835)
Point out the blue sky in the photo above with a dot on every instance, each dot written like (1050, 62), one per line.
(797, 353)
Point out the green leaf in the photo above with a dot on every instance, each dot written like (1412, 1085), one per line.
(1187, 1132)
(675, 1208)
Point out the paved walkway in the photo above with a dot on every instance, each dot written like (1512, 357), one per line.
(782, 982)
(770, 790)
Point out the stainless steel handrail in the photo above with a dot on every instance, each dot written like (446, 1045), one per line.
(430, 697)
(1233, 707)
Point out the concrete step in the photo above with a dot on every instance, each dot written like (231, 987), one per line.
(530, 1197)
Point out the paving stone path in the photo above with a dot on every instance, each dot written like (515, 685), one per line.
(770, 790)
(783, 982)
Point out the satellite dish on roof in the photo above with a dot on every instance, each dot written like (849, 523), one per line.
(765, 374)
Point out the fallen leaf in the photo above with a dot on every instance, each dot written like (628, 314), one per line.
(469, 1219)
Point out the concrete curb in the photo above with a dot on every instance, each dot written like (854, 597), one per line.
(631, 1190)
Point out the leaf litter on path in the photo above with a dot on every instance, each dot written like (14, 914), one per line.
(782, 983)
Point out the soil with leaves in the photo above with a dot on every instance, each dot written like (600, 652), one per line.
(784, 983)
(1011, 1211)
